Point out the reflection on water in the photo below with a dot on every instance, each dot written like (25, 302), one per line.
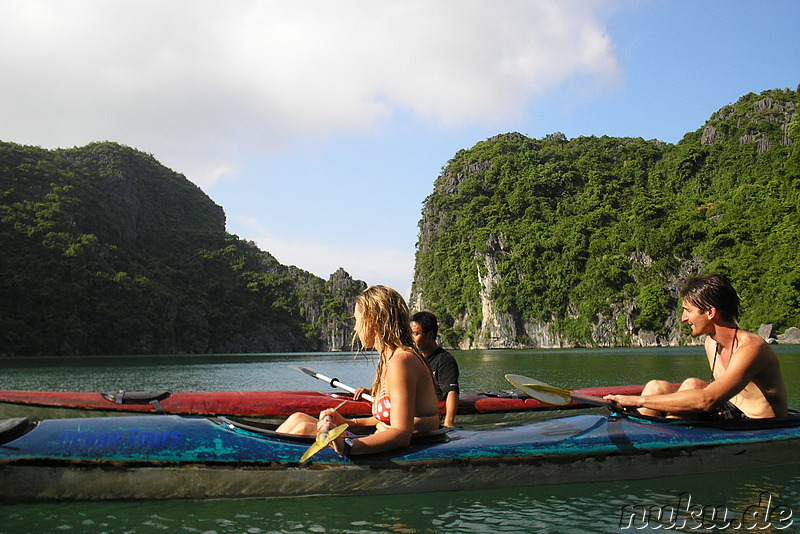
(185, 372)
(596, 508)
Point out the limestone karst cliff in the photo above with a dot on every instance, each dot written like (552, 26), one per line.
(558, 242)
(106, 251)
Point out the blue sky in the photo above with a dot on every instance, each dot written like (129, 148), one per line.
(321, 125)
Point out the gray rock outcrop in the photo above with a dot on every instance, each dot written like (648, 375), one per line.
(790, 337)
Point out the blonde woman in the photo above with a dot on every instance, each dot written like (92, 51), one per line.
(404, 390)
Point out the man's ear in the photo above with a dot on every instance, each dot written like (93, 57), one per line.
(712, 312)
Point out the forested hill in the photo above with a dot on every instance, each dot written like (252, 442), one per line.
(105, 251)
(584, 242)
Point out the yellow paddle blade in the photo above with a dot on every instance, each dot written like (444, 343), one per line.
(540, 391)
(312, 450)
(323, 440)
(552, 394)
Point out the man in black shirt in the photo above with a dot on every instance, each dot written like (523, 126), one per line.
(424, 330)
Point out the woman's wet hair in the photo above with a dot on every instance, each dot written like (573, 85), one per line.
(385, 313)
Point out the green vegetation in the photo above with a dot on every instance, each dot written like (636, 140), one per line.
(105, 251)
(590, 231)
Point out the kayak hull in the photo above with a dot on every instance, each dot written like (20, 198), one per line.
(171, 457)
(96, 483)
(264, 404)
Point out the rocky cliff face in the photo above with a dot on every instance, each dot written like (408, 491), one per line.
(505, 329)
(751, 125)
(330, 309)
(510, 330)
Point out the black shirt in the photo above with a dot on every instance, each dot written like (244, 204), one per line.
(445, 370)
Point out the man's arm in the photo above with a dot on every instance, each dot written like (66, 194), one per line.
(744, 366)
(451, 408)
(447, 375)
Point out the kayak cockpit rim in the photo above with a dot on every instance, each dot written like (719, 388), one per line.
(791, 420)
(11, 429)
(268, 429)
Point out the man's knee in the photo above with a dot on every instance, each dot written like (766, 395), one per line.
(692, 383)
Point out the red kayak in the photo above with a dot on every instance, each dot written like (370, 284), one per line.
(259, 403)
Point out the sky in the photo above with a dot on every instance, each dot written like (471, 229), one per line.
(320, 126)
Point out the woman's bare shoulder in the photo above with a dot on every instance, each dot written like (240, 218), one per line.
(401, 355)
(405, 358)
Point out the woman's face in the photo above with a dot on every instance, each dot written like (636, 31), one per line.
(363, 329)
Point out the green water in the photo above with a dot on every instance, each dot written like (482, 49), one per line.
(570, 508)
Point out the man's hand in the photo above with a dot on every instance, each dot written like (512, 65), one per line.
(626, 401)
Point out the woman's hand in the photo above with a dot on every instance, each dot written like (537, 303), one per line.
(338, 445)
(329, 419)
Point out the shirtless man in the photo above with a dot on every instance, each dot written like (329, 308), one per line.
(747, 380)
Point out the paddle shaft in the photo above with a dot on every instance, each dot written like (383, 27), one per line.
(328, 417)
(572, 395)
(334, 382)
(590, 399)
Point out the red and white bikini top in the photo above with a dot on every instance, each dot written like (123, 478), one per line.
(381, 408)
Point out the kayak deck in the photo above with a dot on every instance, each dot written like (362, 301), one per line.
(267, 404)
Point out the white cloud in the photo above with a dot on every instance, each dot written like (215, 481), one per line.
(202, 84)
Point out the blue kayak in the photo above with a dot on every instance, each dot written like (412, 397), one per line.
(179, 457)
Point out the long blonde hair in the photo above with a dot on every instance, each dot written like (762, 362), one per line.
(384, 312)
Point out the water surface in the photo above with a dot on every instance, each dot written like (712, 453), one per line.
(599, 507)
